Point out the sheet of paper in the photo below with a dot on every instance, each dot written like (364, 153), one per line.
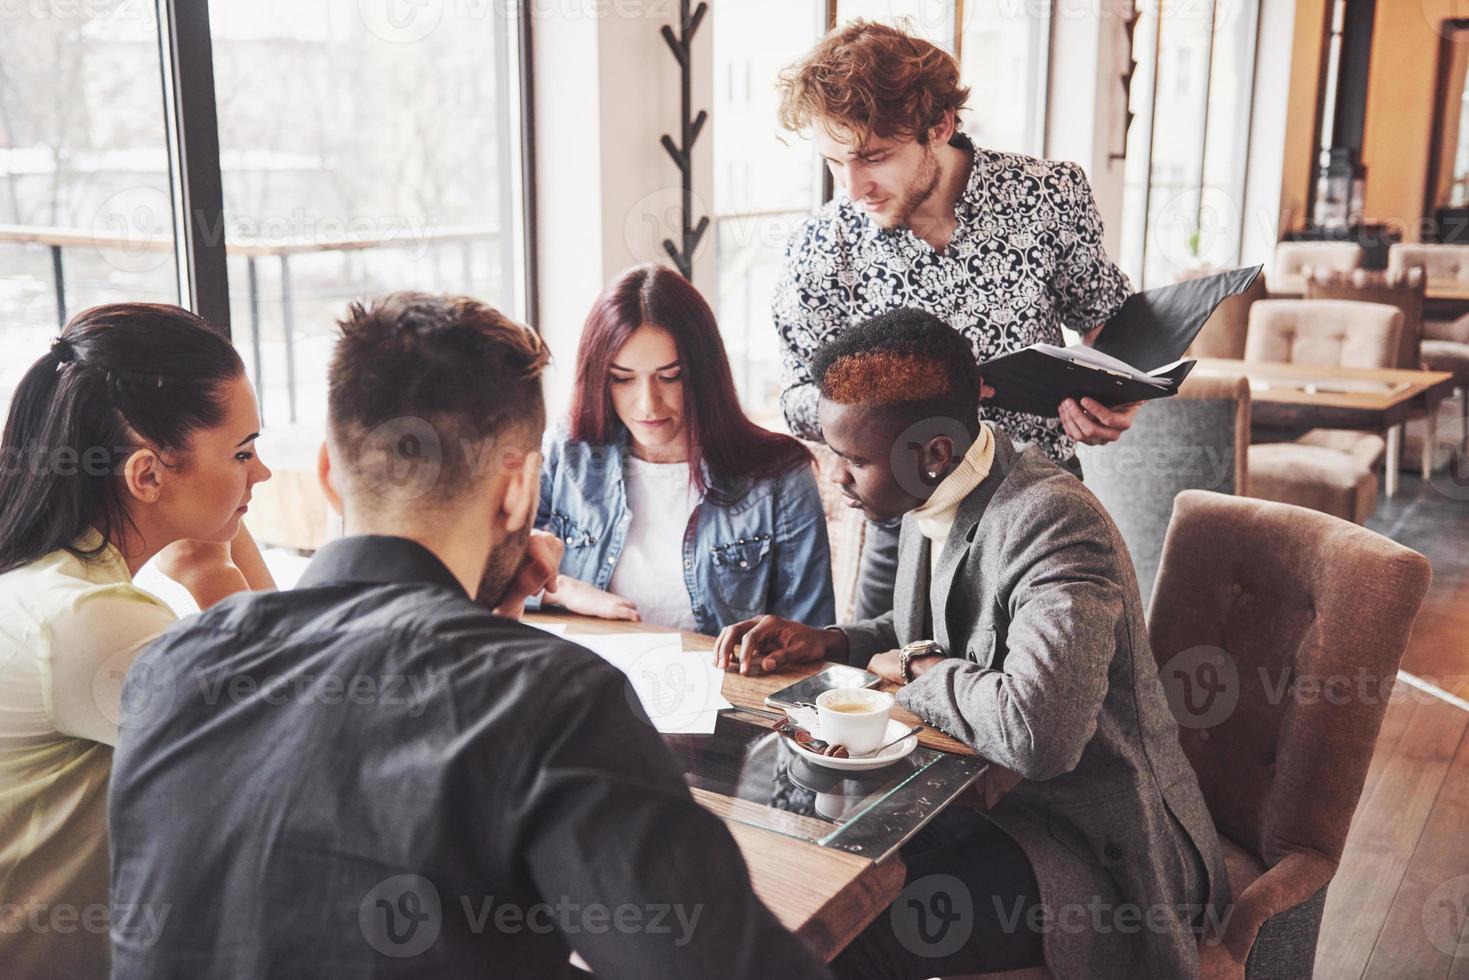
(679, 689)
(557, 628)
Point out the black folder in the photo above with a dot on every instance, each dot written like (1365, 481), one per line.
(1150, 333)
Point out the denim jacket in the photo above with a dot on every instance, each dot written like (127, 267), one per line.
(751, 546)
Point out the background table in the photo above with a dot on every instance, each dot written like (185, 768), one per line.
(825, 896)
(1299, 396)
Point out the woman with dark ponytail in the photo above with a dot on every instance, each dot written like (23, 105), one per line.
(132, 439)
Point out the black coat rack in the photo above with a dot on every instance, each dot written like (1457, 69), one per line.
(682, 48)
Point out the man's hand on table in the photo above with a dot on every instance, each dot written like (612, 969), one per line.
(1094, 424)
(767, 643)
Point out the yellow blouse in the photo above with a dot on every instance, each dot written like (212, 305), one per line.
(69, 629)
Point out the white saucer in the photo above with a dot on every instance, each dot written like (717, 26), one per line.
(889, 755)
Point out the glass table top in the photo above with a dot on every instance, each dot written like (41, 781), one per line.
(747, 773)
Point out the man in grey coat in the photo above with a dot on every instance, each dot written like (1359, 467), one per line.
(1018, 628)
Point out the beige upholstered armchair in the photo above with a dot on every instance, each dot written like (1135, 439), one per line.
(1293, 260)
(1445, 266)
(1281, 593)
(1445, 342)
(1326, 469)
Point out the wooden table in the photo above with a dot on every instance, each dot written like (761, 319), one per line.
(823, 895)
(1376, 399)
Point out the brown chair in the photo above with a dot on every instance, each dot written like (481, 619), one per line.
(1325, 470)
(1446, 267)
(1323, 333)
(1445, 342)
(1403, 290)
(1197, 440)
(1446, 348)
(1290, 608)
(1295, 260)
(1224, 332)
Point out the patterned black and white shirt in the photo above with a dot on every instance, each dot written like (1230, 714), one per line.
(1025, 260)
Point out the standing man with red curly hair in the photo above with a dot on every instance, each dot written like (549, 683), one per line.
(1006, 249)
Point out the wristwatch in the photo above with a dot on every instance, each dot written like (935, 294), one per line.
(918, 648)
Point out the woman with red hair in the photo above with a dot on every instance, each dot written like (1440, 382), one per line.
(674, 507)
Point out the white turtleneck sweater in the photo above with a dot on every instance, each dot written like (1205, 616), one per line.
(937, 514)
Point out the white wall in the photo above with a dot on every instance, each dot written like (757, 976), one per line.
(606, 89)
(1086, 104)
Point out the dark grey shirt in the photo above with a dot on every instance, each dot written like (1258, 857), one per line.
(370, 775)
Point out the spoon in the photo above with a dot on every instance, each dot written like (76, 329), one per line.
(910, 732)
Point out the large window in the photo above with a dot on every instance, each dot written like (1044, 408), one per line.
(1187, 149)
(766, 181)
(360, 153)
(362, 148)
(86, 212)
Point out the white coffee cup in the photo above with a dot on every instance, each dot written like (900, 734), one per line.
(855, 717)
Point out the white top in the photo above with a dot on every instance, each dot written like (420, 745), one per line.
(650, 572)
(936, 517)
(69, 630)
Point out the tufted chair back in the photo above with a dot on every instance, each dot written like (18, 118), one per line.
(1404, 290)
(1446, 266)
(1292, 597)
(1324, 333)
(1293, 261)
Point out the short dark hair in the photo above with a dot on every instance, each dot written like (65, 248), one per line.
(120, 376)
(906, 363)
(410, 368)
